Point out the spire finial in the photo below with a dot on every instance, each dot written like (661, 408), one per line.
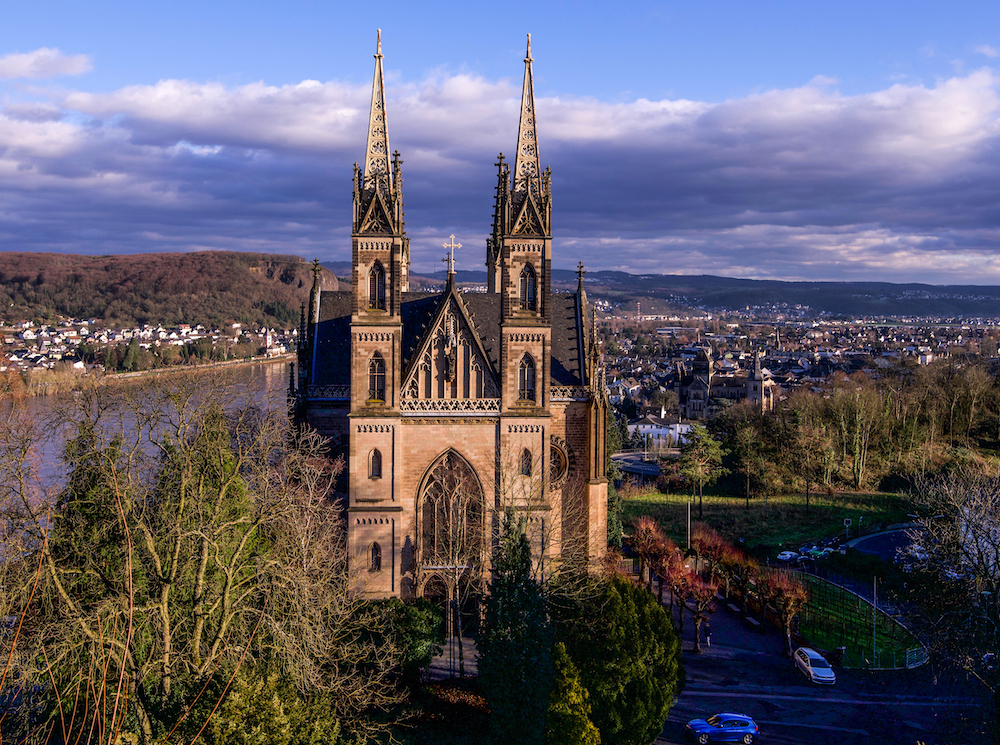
(377, 175)
(527, 171)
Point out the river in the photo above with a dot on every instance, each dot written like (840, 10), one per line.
(262, 384)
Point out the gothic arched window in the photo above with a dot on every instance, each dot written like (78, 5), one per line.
(375, 465)
(452, 512)
(376, 287)
(376, 562)
(526, 379)
(526, 462)
(529, 288)
(376, 378)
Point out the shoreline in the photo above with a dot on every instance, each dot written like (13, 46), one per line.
(68, 380)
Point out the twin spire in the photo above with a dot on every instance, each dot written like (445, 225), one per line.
(377, 172)
(527, 171)
(526, 216)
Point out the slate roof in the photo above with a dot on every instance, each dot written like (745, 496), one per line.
(331, 362)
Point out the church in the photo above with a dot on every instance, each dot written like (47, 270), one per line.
(456, 410)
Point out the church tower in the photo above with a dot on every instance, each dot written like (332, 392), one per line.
(380, 260)
(519, 257)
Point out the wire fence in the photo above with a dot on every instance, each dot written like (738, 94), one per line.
(845, 623)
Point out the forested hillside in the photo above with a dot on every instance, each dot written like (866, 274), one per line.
(208, 287)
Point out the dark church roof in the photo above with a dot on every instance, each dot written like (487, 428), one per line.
(331, 363)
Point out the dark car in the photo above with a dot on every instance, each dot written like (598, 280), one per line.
(724, 727)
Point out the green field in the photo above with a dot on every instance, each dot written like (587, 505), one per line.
(834, 617)
(768, 526)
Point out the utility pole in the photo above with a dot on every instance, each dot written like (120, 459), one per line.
(874, 612)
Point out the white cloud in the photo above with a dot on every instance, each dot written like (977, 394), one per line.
(43, 63)
(896, 184)
(988, 50)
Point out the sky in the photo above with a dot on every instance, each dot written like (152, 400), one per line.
(774, 140)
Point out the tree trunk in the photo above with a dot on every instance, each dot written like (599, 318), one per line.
(701, 510)
(697, 634)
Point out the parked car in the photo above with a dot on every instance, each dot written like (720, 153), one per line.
(787, 556)
(723, 727)
(814, 666)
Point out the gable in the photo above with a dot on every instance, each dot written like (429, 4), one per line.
(450, 362)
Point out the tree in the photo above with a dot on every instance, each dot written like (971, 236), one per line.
(702, 595)
(515, 643)
(787, 594)
(568, 719)
(192, 547)
(647, 540)
(701, 461)
(628, 656)
(962, 537)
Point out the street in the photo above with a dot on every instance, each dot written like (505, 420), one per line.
(744, 671)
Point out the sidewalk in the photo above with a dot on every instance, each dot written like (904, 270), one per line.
(446, 665)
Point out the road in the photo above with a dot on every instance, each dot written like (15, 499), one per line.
(745, 671)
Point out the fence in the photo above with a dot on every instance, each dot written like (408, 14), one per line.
(837, 618)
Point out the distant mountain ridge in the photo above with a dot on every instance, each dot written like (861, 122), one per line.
(212, 288)
(218, 287)
(660, 292)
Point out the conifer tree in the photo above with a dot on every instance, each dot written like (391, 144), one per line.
(515, 645)
(568, 721)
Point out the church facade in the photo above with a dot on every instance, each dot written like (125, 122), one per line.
(454, 410)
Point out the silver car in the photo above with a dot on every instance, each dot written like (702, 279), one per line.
(814, 666)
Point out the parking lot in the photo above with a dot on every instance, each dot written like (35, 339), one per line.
(744, 671)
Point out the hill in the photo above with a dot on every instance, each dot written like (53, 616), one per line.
(661, 293)
(213, 288)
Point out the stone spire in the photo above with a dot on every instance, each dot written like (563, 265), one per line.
(527, 171)
(377, 174)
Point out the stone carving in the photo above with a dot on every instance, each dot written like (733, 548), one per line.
(569, 393)
(523, 428)
(375, 428)
(374, 336)
(449, 405)
(526, 337)
(329, 391)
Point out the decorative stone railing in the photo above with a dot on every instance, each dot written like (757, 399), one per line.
(569, 393)
(329, 391)
(450, 406)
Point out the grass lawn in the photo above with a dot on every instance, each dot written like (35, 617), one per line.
(767, 526)
(834, 617)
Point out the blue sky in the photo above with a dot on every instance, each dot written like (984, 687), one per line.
(788, 140)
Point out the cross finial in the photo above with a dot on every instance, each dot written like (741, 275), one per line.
(316, 269)
(451, 246)
(580, 271)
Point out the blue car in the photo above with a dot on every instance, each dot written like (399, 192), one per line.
(724, 727)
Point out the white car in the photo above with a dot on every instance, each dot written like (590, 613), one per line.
(787, 556)
(814, 666)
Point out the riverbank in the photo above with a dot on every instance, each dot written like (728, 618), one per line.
(50, 383)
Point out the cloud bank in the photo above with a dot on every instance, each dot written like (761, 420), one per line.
(901, 184)
(43, 63)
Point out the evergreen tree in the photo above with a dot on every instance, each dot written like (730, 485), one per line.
(628, 655)
(568, 721)
(515, 645)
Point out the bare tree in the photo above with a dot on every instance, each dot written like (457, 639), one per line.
(187, 542)
(961, 533)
